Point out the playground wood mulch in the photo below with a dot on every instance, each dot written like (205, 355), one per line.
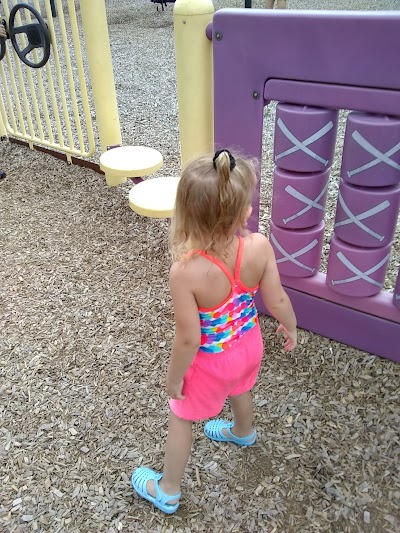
(86, 327)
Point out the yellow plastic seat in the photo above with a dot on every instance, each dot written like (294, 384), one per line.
(154, 197)
(124, 162)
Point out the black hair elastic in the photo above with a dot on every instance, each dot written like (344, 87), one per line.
(231, 159)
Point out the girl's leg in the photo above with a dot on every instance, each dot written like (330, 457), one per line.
(177, 451)
(281, 4)
(242, 408)
(269, 4)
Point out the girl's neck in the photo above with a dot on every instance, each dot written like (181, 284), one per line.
(223, 247)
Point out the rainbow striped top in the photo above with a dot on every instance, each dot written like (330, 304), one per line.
(222, 325)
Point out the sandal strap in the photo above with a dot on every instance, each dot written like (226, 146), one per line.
(162, 497)
(239, 440)
(214, 430)
(140, 477)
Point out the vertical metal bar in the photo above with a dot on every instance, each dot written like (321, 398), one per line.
(3, 129)
(64, 104)
(94, 21)
(16, 74)
(55, 104)
(81, 75)
(7, 94)
(247, 3)
(32, 88)
(53, 9)
(42, 93)
(70, 77)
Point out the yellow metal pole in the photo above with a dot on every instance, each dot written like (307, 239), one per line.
(3, 130)
(94, 21)
(194, 77)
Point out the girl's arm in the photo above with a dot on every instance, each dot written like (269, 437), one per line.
(187, 330)
(276, 300)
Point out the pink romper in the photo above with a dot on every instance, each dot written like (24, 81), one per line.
(230, 354)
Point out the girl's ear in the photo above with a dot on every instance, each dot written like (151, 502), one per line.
(247, 215)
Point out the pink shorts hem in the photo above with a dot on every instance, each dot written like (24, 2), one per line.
(212, 378)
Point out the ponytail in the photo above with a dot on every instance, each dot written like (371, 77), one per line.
(224, 163)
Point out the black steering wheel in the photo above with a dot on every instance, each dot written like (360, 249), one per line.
(2, 43)
(37, 33)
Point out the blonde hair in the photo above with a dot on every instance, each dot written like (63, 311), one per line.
(213, 198)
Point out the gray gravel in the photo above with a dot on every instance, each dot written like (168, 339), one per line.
(85, 331)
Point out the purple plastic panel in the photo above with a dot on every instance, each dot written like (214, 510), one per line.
(378, 101)
(298, 200)
(366, 216)
(396, 292)
(364, 56)
(304, 137)
(365, 332)
(379, 305)
(313, 67)
(371, 150)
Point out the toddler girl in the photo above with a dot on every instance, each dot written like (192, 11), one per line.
(217, 349)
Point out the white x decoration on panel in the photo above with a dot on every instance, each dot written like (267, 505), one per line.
(380, 157)
(292, 257)
(358, 273)
(309, 203)
(356, 219)
(302, 145)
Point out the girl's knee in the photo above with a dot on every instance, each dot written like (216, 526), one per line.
(175, 419)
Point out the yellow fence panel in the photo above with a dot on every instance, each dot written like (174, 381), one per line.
(49, 106)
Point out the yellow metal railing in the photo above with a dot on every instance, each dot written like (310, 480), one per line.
(49, 106)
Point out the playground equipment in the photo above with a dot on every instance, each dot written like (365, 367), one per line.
(312, 83)
(152, 198)
(247, 3)
(37, 73)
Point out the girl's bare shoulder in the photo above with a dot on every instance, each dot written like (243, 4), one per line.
(258, 250)
(186, 268)
(257, 243)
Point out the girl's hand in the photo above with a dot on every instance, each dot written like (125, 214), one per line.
(290, 337)
(174, 390)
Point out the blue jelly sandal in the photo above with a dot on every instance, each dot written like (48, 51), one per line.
(213, 430)
(140, 477)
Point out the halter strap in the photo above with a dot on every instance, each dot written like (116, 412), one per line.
(238, 263)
